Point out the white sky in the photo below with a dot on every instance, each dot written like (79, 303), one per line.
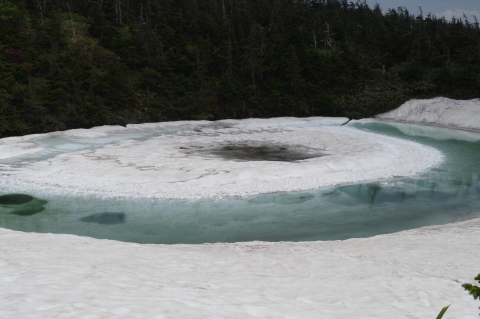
(446, 8)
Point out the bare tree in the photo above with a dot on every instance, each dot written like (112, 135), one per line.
(328, 40)
(71, 19)
(118, 11)
(42, 9)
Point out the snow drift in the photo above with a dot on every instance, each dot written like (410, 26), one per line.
(411, 274)
(438, 111)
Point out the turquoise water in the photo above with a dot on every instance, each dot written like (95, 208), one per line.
(448, 193)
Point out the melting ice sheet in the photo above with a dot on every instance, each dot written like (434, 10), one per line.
(447, 192)
(196, 160)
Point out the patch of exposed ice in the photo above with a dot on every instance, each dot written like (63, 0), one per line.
(411, 274)
(19, 145)
(159, 125)
(185, 164)
(16, 146)
(95, 132)
(8, 150)
(438, 111)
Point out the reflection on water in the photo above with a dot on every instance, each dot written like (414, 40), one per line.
(443, 194)
(282, 198)
(21, 204)
(15, 199)
(375, 194)
(105, 218)
(28, 210)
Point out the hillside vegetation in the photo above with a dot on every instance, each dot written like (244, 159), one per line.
(82, 63)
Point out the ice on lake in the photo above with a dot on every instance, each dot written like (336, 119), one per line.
(247, 180)
(421, 176)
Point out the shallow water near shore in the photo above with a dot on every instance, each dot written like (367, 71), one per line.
(448, 193)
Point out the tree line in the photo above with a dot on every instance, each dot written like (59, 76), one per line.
(82, 63)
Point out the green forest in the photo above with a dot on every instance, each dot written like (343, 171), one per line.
(83, 63)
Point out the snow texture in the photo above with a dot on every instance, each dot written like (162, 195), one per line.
(17, 146)
(186, 164)
(439, 111)
(411, 274)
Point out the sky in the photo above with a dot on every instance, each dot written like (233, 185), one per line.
(447, 8)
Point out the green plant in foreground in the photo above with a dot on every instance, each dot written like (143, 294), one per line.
(442, 312)
(473, 290)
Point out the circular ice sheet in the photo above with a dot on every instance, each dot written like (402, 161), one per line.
(197, 162)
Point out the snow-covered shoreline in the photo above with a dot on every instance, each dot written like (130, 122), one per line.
(411, 274)
(440, 111)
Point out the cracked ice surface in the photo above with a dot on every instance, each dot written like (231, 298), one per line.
(187, 163)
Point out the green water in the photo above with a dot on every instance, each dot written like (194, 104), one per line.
(448, 193)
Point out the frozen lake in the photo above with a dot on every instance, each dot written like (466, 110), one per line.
(266, 179)
(446, 193)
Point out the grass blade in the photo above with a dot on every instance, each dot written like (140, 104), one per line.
(442, 312)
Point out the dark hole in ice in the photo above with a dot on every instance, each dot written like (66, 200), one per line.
(105, 218)
(257, 151)
(28, 210)
(261, 153)
(15, 199)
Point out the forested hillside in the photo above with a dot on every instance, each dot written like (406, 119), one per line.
(80, 63)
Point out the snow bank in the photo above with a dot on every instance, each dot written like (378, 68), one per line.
(411, 274)
(186, 164)
(438, 111)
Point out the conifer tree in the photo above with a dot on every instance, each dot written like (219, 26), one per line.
(473, 290)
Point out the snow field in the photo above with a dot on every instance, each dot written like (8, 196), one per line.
(411, 274)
